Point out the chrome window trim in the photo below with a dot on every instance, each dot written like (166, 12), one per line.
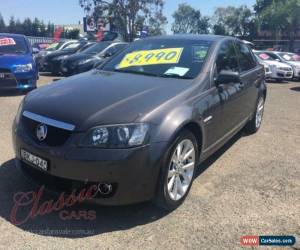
(49, 121)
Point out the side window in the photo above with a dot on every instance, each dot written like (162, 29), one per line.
(246, 59)
(227, 58)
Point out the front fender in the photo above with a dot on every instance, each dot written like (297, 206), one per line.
(173, 122)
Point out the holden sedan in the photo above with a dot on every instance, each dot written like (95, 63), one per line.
(138, 126)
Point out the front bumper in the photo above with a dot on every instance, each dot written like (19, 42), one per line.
(52, 66)
(70, 69)
(18, 81)
(132, 172)
(280, 74)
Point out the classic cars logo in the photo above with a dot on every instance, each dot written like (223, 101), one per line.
(32, 200)
(41, 132)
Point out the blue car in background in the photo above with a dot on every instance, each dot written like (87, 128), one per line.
(18, 70)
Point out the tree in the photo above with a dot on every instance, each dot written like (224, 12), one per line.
(12, 25)
(234, 21)
(280, 16)
(127, 14)
(189, 20)
(2, 24)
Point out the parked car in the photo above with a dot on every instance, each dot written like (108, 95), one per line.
(84, 61)
(137, 128)
(278, 71)
(18, 70)
(40, 57)
(53, 61)
(268, 72)
(289, 58)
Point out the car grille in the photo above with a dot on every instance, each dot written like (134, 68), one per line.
(286, 69)
(7, 79)
(55, 136)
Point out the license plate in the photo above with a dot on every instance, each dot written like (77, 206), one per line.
(34, 160)
(2, 75)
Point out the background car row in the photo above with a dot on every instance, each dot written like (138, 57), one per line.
(279, 66)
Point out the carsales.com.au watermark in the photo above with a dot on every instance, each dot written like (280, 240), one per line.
(268, 241)
(32, 201)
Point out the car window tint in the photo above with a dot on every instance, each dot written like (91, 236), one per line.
(227, 58)
(246, 58)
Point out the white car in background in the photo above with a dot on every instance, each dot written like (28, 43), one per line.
(278, 71)
(268, 71)
(291, 59)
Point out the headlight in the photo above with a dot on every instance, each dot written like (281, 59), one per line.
(85, 61)
(116, 136)
(22, 68)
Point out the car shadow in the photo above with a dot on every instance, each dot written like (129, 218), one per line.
(295, 89)
(107, 219)
(10, 93)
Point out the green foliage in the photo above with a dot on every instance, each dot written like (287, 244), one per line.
(128, 16)
(2, 24)
(189, 20)
(27, 27)
(279, 16)
(234, 21)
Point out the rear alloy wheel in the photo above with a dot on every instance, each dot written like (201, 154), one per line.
(254, 125)
(178, 173)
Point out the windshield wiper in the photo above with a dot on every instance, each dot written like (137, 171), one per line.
(175, 76)
(135, 72)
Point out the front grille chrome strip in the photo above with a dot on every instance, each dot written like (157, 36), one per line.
(49, 121)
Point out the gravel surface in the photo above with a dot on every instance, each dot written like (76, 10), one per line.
(250, 187)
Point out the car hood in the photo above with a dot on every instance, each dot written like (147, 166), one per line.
(279, 64)
(294, 63)
(7, 60)
(98, 97)
(59, 53)
(78, 57)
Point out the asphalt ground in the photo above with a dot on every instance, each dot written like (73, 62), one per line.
(249, 187)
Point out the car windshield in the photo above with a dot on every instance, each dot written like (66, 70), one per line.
(162, 57)
(13, 45)
(289, 57)
(96, 48)
(53, 46)
(264, 56)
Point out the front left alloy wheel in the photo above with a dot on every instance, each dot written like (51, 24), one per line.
(178, 171)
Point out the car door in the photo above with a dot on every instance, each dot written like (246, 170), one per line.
(251, 74)
(231, 94)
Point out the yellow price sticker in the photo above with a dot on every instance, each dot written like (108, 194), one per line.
(151, 57)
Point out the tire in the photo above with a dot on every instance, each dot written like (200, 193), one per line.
(183, 171)
(255, 123)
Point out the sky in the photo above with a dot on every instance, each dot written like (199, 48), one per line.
(69, 11)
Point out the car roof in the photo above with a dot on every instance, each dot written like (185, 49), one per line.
(12, 35)
(212, 38)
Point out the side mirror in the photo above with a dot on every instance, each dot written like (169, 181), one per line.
(227, 76)
(35, 51)
(108, 54)
(278, 60)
